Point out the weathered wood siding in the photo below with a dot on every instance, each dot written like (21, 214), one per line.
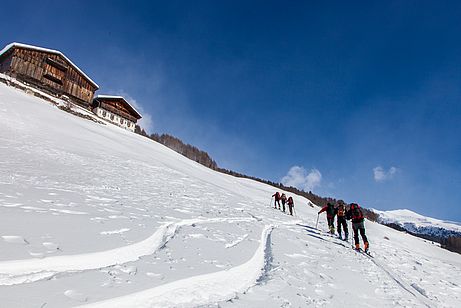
(49, 71)
(6, 62)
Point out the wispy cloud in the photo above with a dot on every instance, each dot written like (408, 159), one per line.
(299, 177)
(381, 175)
(146, 121)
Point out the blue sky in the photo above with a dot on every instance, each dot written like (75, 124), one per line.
(360, 101)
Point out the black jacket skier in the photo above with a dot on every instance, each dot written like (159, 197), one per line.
(284, 200)
(341, 221)
(358, 225)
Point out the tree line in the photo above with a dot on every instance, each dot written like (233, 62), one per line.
(452, 243)
(180, 147)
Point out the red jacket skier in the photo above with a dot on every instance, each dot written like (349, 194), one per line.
(330, 209)
(277, 200)
(291, 205)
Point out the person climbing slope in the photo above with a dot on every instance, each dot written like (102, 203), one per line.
(341, 220)
(291, 205)
(277, 200)
(358, 225)
(284, 200)
(330, 209)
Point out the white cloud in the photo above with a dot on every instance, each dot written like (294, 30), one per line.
(381, 175)
(299, 178)
(146, 121)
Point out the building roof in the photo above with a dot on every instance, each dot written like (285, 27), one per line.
(116, 97)
(56, 52)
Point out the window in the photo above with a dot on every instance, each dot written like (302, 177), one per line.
(121, 121)
(104, 113)
(53, 78)
(112, 117)
(55, 63)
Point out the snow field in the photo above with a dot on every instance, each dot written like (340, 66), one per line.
(95, 215)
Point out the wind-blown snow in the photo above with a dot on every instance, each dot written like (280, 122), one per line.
(94, 215)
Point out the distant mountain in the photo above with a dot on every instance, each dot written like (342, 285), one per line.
(447, 233)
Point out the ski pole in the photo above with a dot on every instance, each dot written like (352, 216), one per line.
(294, 211)
(317, 223)
(270, 205)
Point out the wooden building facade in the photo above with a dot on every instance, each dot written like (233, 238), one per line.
(49, 70)
(116, 110)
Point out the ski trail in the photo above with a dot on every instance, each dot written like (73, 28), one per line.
(405, 286)
(201, 289)
(410, 289)
(237, 241)
(30, 270)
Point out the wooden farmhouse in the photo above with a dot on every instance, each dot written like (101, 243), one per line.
(49, 70)
(116, 110)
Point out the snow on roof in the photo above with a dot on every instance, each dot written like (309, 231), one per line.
(110, 96)
(21, 45)
(118, 97)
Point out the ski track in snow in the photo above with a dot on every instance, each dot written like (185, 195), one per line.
(236, 242)
(409, 288)
(419, 295)
(30, 270)
(201, 289)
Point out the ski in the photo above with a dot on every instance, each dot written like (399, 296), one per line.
(363, 252)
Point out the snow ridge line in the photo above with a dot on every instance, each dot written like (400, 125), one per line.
(201, 289)
(30, 270)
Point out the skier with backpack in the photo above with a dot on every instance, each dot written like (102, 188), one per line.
(341, 220)
(291, 205)
(358, 225)
(284, 200)
(330, 209)
(277, 200)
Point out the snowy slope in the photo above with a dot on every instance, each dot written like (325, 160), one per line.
(418, 224)
(97, 216)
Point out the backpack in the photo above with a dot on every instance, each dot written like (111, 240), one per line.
(290, 200)
(356, 214)
(341, 211)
